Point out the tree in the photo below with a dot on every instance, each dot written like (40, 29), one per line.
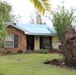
(62, 18)
(5, 11)
(2, 32)
(5, 16)
(69, 47)
(36, 18)
(42, 5)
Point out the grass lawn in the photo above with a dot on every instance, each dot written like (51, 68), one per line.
(31, 64)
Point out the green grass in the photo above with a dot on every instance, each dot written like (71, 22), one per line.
(31, 64)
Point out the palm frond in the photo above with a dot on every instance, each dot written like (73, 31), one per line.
(42, 5)
(3, 32)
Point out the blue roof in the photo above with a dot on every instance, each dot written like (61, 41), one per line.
(35, 29)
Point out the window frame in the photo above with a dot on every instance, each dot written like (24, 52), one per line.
(46, 42)
(5, 45)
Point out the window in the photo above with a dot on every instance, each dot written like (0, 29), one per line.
(9, 41)
(46, 42)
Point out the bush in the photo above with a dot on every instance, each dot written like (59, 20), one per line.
(8, 52)
(28, 51)
(45, 51)
(19, 51)
(1, 43)
(38, 51)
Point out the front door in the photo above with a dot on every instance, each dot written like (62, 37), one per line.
(30, 42)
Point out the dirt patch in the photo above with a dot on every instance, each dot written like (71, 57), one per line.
(59, 62)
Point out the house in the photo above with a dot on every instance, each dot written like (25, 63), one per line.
(29, 36)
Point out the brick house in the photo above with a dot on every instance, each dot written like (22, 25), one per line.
(27, 36)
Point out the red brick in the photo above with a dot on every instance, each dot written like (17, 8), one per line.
(21, 39)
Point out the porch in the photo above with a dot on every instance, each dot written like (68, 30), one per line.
(36, 42)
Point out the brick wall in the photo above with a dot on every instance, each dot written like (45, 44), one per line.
(21, 40)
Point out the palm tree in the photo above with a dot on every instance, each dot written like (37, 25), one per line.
(42, 5)
(2, 32)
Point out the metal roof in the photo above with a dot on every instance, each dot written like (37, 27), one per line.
(34, 29)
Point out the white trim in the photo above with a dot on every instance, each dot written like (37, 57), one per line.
(41, 34)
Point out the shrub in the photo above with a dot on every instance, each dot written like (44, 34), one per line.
(19, 51)
(28, 51)
(38, 51)
(8, 52)
(45, 51)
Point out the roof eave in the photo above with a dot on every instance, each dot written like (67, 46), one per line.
(40, 34)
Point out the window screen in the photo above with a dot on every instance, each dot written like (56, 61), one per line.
(9, 41)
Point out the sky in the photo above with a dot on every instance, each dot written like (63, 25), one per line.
(24, 8)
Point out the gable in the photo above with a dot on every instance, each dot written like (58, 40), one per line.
(13, 30)
(16, 28)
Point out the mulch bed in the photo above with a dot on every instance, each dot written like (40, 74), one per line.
(59, 62)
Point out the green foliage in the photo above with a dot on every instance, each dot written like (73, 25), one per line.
(19, 51)
(5, 16)
(1, 43)
(5, 11)
(38, 51)
(3, 33)
(45, 51)
(8, 52)
(28, 51)
(62, 18)
(2, 29)
(41, 51)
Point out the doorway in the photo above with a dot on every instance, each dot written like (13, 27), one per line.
(30, 42)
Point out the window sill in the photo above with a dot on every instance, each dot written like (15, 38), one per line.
(8, 47)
